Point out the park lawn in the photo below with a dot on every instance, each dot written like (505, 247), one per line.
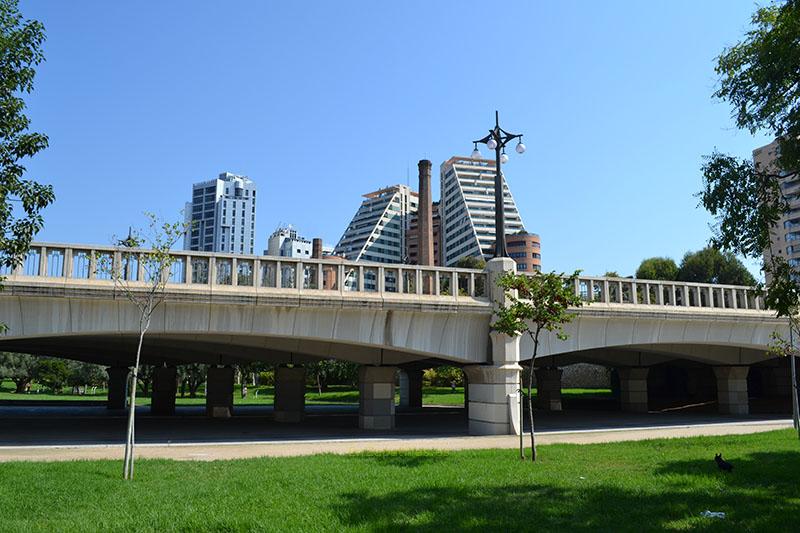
(336, 394)
(635, 486)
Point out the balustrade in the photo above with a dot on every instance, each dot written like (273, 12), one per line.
(95, 264)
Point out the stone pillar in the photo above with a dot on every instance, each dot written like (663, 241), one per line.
(117, 386)
(633, 388)
(732, 389)
(164, 388)
(290, 393)
(548, 388)
(493, 398)
(219, 392)
(411, 389)
(376, 397)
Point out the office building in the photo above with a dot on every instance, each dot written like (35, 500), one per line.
(222, 215)
(785, 238)
(467, 209)
(526, 250)
(378, 231)
(285, 242)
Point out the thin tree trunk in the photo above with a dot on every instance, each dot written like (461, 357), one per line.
(792, 364)
(129, 440)
(530, 393)
(521, 421)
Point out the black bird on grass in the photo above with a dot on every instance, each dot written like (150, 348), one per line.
(722, 463)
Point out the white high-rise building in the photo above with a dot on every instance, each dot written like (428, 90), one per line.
(467, 209)
(378, 230)
(222, 214)
(285, 242)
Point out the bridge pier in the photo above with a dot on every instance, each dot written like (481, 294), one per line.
(290, 393)
(493, 404)
(165, 385)
(117, 386)
(548, 388)
(219, 392)
(633, 388)
(732, 396)
(376, 397)
(411, 389)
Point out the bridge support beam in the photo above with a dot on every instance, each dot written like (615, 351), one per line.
(165, 386)
(633, 388)
(548, 388)
(411, 389)
(732, 396)
(493, 404)
(376, 397)
(117, 386)
(219, 392)
(290, 393)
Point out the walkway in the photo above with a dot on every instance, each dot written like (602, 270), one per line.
(87, 433)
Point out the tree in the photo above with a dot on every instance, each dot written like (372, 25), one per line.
(328, 371)
(710, 265)
(192, 376)
(471, 262)
(145, 378)
(534, 304)
(155, 245)
(52, 373)
(21, 200)
(758, 77)
(85, 374)
(19, 368)
(612, 274)
(657, 268)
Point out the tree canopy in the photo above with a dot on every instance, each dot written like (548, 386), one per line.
(21, 200)
(709, 265)
(657, 268)
(758, 77)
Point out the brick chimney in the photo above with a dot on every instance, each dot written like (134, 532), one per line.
(425, 215)
(316, 248)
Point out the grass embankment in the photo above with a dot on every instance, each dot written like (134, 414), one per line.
(636, 486)
(264, 395)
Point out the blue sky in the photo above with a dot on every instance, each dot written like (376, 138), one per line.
(320, 102)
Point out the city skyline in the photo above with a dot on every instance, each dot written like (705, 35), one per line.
(616, 122)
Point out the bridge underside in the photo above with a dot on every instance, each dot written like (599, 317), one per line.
(175, 349)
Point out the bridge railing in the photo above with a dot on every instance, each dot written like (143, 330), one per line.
(190, 268)
(667, 293)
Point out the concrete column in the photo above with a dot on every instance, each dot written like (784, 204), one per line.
(117, 386)
(633, 388)
(548, 388)
(732, 389)
(219, 392)
(411, 389)
(290, 393)
(493, 399)
(164, 388)
(376, 397)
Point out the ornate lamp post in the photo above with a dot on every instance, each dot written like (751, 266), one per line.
(497, 140)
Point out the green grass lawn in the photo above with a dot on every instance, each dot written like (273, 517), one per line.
(640, 486)
(336, 394)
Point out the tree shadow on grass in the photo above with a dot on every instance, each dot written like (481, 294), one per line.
(547, 507)
(758, 469)
(401, 459)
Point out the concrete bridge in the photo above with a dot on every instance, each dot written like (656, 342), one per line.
(220, 309)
